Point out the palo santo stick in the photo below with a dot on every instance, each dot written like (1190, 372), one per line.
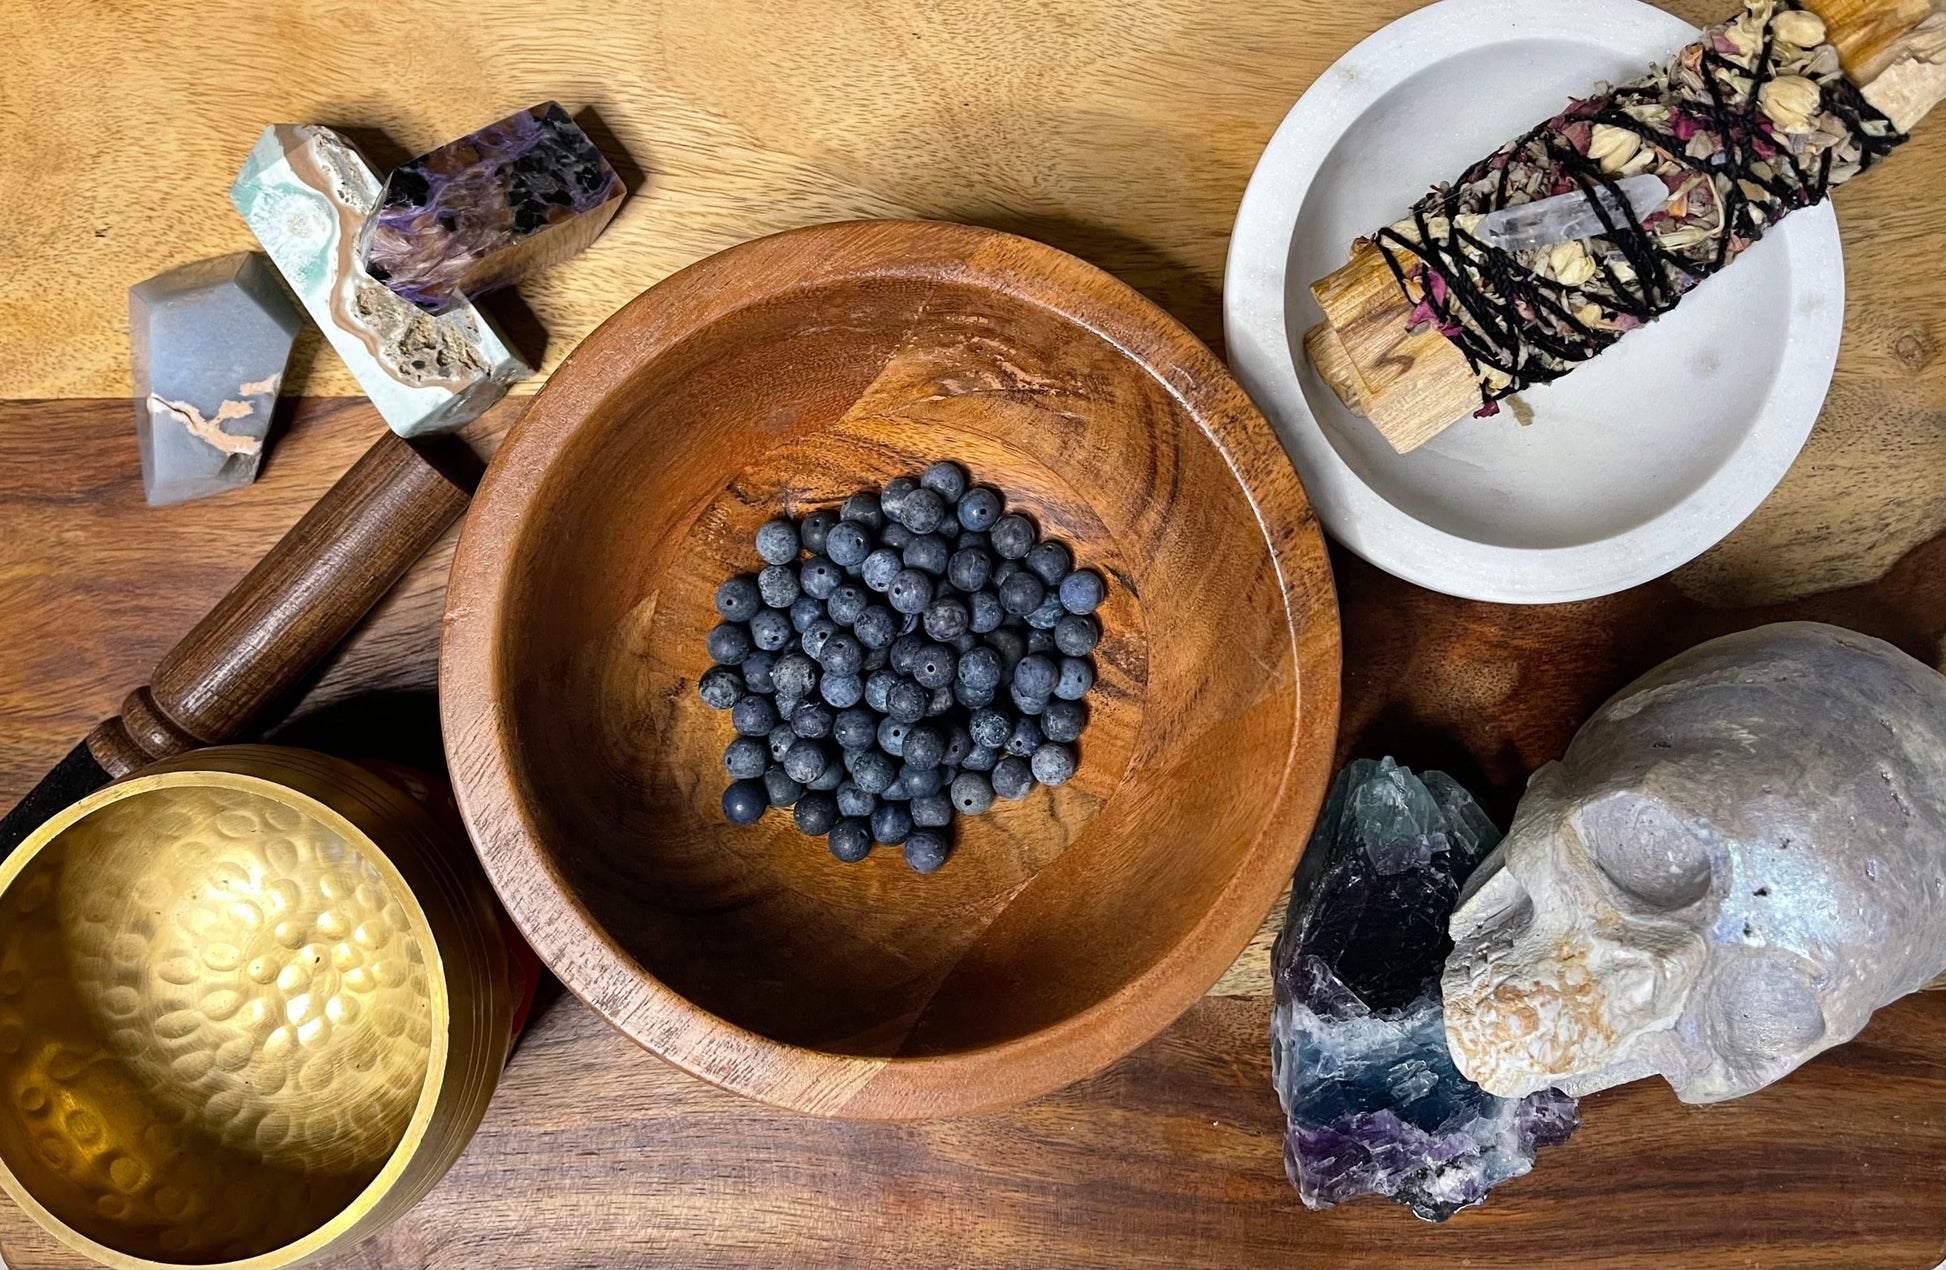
(1414, 385)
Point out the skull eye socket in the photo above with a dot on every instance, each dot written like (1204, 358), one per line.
(1763, 1009)
(1645, 850)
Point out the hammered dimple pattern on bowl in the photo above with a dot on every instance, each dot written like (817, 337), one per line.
(215, 1022)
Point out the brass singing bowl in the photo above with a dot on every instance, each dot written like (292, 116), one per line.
(253, 1002)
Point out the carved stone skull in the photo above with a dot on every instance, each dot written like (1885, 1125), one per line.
(1740, 857)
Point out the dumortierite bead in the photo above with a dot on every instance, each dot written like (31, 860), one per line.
(1358, 1042)
(489, 209)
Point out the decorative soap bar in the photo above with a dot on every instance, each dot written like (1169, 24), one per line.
(490, 208)
(306, 193)
(208, 343)
(1358, 1043)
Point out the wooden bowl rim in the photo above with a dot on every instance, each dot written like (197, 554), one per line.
(541, 902)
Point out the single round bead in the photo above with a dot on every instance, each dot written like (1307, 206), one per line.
(892, 497)
(1013, 537)
(946, 619)
(969, 568)
(842, 691)
(851, 839)
(876, 627)
(1077, 676)
(780, 740)
(904, 649)
(1064, 720)
(990, 728)
(819, 577)
(1050, 561)
(1036, 675)
(891, 824)
(981, 669)
(880, 567)
(1082, 591)
(744, 802)
(972, 698)
(746, 758)
(853, 801)
(720, 687)
(917, 782)
(753, 716)
(984, 612)
(815, 814)
(979, 508)
(738, 598)
(848, 544)
(935, 667)
(863, 508)
(804, 611)
(926, 851)
(812, 530)
(873, 771)
(812, 719)
(1053, 764)
(878, 685)
(1076, 635)
(777, 542)
(929, 553)
(932, 811)
(924, 746)
(1012, 777)
(782, 789)
(1022, 593)
(729, 643)
(907, 701)
(794, 675)
(805, 761)
(842, 654)
(981, 758)
(910, 591)
(946, 479)
(959, 743)
(1025, 738)
(971, 792)
(770, 631)
(854, 728)
(847, 603)
(756, 670)
(777, 586)
(922, 510)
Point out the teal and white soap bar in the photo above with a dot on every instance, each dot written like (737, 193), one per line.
(305, 192)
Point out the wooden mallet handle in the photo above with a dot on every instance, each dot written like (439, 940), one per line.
(299, 603)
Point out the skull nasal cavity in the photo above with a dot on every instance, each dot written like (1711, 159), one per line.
(1646, 850)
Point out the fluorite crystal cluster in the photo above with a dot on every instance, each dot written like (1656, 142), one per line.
(490, 209)
(1358, 1042)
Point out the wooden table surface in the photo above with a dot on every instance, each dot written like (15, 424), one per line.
(1124, 133)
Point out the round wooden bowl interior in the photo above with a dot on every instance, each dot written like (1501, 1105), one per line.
(786, 374)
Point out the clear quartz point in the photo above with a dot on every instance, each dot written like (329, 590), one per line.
(1566, 217)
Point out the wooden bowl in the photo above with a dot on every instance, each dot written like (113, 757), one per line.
(787, 373)
(253, 1002)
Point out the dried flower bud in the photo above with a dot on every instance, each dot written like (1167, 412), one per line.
(1790, 102)
(1798, 26)
(1611, 147)
(1568, 263)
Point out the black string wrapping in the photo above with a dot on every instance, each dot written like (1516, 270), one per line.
(1487, 289)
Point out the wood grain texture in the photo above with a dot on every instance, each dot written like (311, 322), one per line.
(594, 1154)
(787, 373)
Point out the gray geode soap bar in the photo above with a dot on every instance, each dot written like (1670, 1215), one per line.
(1358, 1046)
(208, 344)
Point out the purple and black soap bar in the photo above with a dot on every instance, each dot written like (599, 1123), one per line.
(490, 209)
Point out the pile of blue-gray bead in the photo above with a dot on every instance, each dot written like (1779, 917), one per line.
(928, 653)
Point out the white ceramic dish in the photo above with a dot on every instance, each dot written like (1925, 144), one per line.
(1636, 462)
